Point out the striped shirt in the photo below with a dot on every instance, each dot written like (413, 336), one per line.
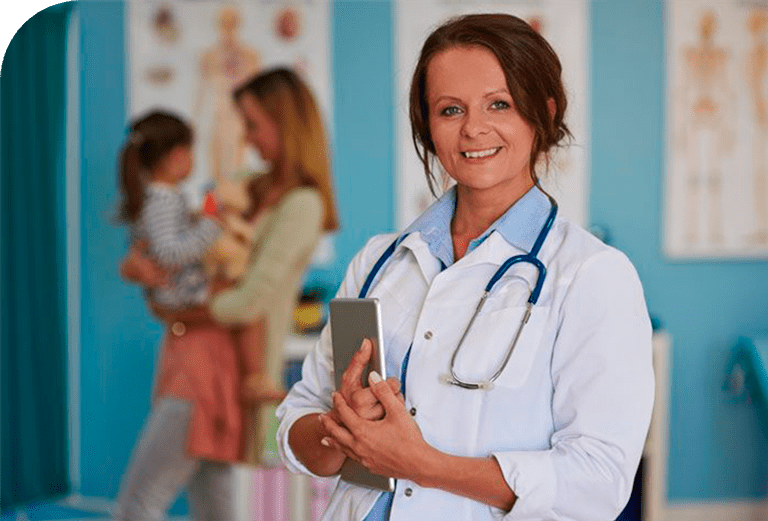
(176, 243)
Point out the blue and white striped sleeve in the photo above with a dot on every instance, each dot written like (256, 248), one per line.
(173, 239)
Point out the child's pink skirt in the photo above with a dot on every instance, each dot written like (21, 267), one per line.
(200, 363)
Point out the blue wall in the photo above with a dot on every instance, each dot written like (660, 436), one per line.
(717, 450)
(118, 339)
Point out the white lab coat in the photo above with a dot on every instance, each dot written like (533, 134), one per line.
(568, 417)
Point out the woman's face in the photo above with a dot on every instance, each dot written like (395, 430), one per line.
(261, 130)
(480, 139)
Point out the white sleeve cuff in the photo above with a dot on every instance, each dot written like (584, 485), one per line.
(531, 476)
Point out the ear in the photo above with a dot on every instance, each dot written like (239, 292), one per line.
(552, 107)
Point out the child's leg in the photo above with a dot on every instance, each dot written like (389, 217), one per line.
(257, 385)
(160, 466)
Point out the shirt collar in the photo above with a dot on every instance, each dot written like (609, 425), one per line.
(519, 226)
(435, 227)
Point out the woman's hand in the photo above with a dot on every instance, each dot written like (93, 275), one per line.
(391, 446)
(137, 267)
(189, 316)
(362, 399)
(307, 432)
(394, 447)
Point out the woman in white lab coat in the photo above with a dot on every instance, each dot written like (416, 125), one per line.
(557, 431)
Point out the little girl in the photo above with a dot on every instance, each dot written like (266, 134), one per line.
(156, 157)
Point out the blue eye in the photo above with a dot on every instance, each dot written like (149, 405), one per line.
(500, 104)
(450, 111)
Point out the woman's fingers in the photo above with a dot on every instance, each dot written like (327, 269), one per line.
(394, 384)
(351, 380)
(141, 245)
(365, 404)
(383, 392)
(160, 312)
(348, 417)
(337, 431)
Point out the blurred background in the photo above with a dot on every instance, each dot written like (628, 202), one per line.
(668, 108)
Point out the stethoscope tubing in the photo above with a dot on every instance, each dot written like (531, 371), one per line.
(530, 257)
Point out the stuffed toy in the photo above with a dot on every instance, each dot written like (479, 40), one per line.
(228, 256)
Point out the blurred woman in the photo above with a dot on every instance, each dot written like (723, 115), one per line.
(211, 408)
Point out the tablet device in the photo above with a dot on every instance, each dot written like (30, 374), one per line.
(352, 321)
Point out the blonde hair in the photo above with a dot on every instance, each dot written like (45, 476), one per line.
(304, 158)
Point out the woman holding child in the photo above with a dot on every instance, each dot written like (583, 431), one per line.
(222, 361)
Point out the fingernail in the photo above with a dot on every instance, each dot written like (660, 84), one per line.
(374, 377)
(325, 443)
(320, 417)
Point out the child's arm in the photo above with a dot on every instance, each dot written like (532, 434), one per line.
(137, 268)
(174, 241)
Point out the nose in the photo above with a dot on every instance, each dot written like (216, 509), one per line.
(475, 123)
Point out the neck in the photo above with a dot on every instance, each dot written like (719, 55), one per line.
(163, 180)
(477, 210)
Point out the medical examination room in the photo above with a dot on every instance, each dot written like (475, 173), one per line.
(231, 240)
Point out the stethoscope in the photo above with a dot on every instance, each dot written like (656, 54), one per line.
(530, 257)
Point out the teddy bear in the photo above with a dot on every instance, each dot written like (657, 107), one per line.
(228, 256)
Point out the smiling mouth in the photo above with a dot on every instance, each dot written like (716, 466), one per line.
(477, 154)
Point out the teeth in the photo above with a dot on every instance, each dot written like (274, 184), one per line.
(481, 153)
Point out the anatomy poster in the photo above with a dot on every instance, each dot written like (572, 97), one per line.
(717, 171)
(564, 24)
(186, 56)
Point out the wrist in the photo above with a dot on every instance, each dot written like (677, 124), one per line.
(430, 467)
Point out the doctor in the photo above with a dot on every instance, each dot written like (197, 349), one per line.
(531, 403)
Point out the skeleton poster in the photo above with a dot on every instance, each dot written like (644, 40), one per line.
(716, 193)
(564, 24)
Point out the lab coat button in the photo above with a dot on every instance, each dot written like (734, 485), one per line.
(408, 492)
(178, 328)
(428, 335)
(413, 411)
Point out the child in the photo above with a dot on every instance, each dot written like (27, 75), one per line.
(156, 157)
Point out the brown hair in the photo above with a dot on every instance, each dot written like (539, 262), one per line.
(151, 139)
(531, 68)
(304, 158)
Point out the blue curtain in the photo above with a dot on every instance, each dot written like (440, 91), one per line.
(32, 261)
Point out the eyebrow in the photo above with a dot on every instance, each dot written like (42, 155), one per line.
(487, 95)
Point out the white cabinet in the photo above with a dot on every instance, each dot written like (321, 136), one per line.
(655, 454)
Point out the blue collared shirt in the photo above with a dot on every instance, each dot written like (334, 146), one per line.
(520, 225)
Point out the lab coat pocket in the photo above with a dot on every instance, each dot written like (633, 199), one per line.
(490, 339)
